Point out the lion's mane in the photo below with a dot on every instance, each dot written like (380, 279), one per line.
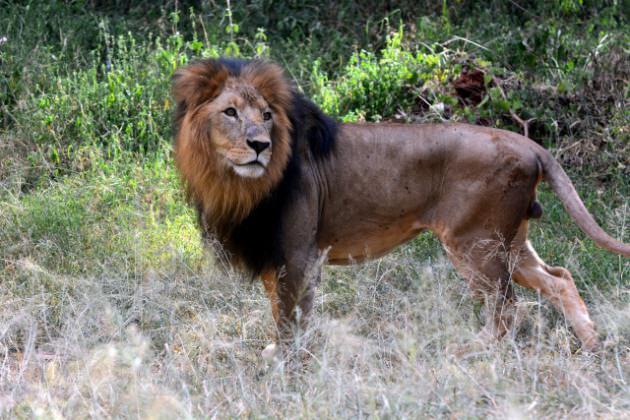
(245, 215)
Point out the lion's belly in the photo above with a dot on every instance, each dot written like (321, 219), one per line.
(367, 241)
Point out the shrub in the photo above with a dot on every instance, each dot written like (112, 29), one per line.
(377, 85)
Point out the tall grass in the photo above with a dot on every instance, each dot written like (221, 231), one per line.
(386, 340)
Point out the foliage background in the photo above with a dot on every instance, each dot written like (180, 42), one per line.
(111, 307)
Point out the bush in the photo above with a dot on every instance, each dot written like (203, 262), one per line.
(119, 103)
(377, 85)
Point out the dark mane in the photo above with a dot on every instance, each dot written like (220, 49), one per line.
(257, 241)
(310, 124)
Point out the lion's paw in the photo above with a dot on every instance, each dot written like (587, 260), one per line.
(270, 352)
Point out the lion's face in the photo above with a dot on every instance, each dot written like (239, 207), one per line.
(241, 122)
(233, 134)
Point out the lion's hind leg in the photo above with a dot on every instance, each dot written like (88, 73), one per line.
(557, 285)
(484, 266)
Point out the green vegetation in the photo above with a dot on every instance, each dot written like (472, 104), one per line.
(111, 307)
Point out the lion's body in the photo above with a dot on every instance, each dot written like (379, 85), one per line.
(276, 183)
(388, 182)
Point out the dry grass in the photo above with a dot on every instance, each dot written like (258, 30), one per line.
(385, 341)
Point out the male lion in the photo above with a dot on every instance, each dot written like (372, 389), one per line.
(275, 182)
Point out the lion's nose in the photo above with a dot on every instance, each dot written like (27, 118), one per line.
(258, 145)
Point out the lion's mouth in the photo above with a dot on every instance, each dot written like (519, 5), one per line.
(253, 163)
(253, 169)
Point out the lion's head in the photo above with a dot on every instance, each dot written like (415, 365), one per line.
(233, 137)
(242, 137)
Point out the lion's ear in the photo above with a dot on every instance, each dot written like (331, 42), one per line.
(198, 82)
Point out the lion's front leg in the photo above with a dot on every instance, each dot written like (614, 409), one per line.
(270, 282)
(302, 265)
(291, 292)
(296, 292)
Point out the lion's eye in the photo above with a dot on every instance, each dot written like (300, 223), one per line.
(266, 116)
(230, 112)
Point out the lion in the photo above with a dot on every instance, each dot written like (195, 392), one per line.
(277, 184)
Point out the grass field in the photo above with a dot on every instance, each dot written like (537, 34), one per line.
(111, 307)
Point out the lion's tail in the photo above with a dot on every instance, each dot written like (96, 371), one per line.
(563, 187)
